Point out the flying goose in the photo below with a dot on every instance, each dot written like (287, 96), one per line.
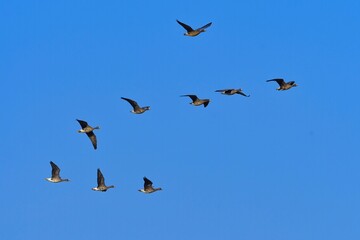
(85, 128)
(196, 101)
(232, 91)
(55, 174)
(282, 84)
(148, 188)
(191, 32)
(101, 183)
(136, 108)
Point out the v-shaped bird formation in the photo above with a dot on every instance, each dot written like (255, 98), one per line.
(148, 185)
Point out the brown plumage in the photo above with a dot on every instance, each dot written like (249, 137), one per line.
(191, 32)
(282, 84)
(148, 188)
(196, 101)
(85, 128)
(136, 108)
(232, 91)
(55, 174)
(101, 183)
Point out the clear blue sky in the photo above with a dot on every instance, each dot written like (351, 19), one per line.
(274, 166)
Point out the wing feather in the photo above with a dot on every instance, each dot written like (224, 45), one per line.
(100, 178)
(92, 138)
(55, 170)
(193, 97)
(82, 123)
(204, 27)
(187, 27)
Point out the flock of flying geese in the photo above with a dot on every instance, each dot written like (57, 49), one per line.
(148, 188)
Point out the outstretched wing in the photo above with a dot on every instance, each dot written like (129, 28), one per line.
(205, 26)
(83, 124)
(92, 138)
(193, 97)
(280, 81)
(132, 102)
(187, 27)
(223, 90)
(55, 170)
(100, 178)
(147, 183)
(241, 93)
(291, 82)
(206, 103)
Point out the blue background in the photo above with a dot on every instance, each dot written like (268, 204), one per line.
(275, 166)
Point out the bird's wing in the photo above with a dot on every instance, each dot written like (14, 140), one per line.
(83, 124)
(55, 170)
(92, 137)
(222, 90)
(100, 178)
(206, 103)
(187, 27)
(241, 93)
(280, 81)
(147, 182)
(132, 102)
(193, 97)
(205, 26)
(291, 82)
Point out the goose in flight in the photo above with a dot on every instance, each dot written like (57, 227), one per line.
(148, 188)
(282, 84)
(136, 108)
(196, 101)
(191, 32)
(101, 183)
(85, 128)
(55, 174)
(232, 91)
